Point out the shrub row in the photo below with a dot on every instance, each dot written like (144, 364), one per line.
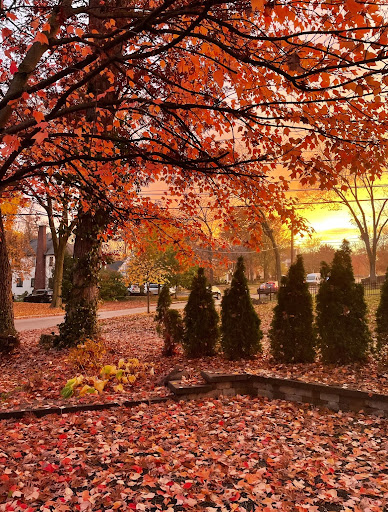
(199, 330)
(339, 334)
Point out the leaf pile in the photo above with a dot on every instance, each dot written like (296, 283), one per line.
(248, 455)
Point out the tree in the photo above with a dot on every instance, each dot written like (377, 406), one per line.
(240, 325)
(365, 200)
(56, 200)
(200, 319)
(9, 338)
(343, 334)
(291, 335)
(382, 317)
(147, 267)
(314, 252)
(111, 285)
(155, 89)
(81, 307)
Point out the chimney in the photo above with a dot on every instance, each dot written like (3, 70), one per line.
(40, 266)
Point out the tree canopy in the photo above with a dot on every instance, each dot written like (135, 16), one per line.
(204, 93)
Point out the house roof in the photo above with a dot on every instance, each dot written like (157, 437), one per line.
(116, 265)
(49, 246)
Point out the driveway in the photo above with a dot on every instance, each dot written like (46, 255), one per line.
(28, 324)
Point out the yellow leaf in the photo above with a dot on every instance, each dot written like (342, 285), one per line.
(99, 384)
(87, 389)
(119, 388)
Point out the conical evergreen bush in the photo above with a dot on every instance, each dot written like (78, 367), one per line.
(201, 332)
(240, 324)
(342, 329)
(382, 317)
(164, 302)
(291, 335)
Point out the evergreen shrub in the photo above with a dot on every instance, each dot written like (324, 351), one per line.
(342, 329)
(240, 324)
(164, 302)
(201, 332)
(382, 317)
(291, 335)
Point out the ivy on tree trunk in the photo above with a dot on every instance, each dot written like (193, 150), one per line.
(81, 308)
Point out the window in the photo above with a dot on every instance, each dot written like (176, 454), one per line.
(51, 261)
(19, 282)
(32, 282)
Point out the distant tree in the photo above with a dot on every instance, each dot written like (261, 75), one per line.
(342, 329)
(147, 267)
(292, 335)
(382, 317)
(111, 285)
(201, 331)
(240, 324)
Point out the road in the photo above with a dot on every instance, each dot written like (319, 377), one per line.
(28, 324)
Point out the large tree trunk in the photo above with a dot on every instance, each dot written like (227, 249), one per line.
(81, 308)
(9, 338)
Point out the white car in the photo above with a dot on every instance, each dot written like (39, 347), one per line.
(152, 288)
(313, 279)
(134, 289)
(216, 292)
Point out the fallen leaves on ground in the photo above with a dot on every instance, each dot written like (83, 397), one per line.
(32, 377)
(31, 309)
(248, 455)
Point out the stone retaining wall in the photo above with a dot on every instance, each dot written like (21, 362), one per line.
(332, 397)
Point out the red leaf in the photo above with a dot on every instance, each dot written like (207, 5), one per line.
(13, 68)
(187, 485)
(38, 116)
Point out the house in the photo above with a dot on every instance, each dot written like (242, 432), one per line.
(42, 265)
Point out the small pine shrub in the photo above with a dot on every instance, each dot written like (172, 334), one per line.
(172, 331)
(164, 302)
(382, 317)
(291, 335)
(342, 329)
(200, 320)
(240, 325)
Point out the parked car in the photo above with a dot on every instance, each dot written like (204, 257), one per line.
(43, 295)
(153, 288)
(216, 292)
(134, 289)
(313, 279)
(268, 288)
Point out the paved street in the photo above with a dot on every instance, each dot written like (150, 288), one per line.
(27, 324)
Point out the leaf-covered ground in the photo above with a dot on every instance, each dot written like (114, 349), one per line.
(30, 309)
(241, 454)
(33, 377)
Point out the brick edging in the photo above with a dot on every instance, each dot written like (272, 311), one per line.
(332, 397)
(220, 384)
(66, 409)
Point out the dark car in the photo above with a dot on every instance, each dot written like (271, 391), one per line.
(268, 288)
(42, 295)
